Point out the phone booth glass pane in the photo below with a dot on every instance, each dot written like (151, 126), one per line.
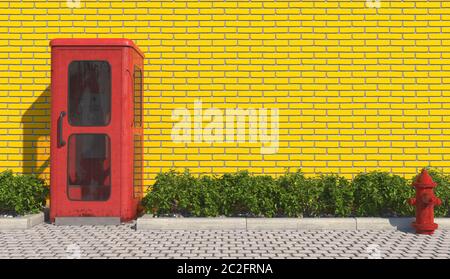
(137, 84)
(89, 93)
(89, 167)
(137, 138)
(137, 167)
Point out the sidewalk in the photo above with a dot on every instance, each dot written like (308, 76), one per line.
(122, 241)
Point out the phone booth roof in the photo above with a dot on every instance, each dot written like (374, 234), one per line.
(120, 42)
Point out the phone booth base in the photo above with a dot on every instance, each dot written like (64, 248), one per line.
(81, 221)
(96, 130)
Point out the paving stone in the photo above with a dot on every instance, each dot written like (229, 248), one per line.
(122, 241)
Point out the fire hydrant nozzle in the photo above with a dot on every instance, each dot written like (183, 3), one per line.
(424, 201)
(437, 201)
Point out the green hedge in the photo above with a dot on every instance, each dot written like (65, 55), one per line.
(292, 194)
(21, 194)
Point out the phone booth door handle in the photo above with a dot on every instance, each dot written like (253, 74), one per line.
(61, 141)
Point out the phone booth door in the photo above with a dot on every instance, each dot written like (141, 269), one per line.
(86, 99)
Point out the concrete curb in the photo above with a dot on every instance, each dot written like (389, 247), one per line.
(327, 224)
(148, 222)
(444, 223)
(369, 223)
(22, 222)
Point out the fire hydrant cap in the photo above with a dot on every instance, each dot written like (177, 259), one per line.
(424, 180)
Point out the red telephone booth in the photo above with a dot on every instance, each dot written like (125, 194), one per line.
(96, 129)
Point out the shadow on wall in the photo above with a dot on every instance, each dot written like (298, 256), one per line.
(36, 136)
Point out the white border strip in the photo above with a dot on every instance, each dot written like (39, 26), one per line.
(148, 222)
(22, 222)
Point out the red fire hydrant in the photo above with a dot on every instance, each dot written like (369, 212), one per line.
(424, 201)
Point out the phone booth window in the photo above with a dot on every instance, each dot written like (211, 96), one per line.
(89, 167)
(137, 84)
(137, 138)
(137, 168)
(89, 101)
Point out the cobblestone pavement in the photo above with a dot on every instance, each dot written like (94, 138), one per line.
(123, 241)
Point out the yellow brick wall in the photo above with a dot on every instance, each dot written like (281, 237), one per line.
(357, 87)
